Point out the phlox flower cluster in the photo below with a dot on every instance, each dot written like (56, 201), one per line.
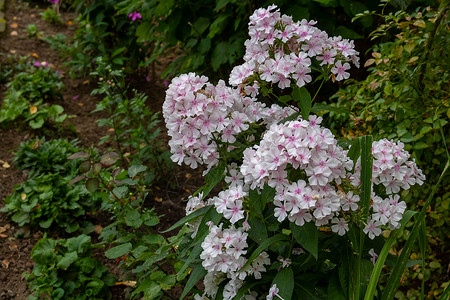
(223, 257)
(198, 114)
(313, 178)
(306, 146)
(280, 51)
(391, 167)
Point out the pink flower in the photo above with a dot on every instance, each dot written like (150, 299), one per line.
(37, 64)
(75, 97)
(134, 15)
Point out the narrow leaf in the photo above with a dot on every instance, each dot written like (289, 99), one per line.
(77, 179)
(197, 273)
(195, 214)
(373, 283)
(264, 245)
(355, 151)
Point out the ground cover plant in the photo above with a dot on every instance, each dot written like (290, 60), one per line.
(28, 95)
(66, 269)
(45, 199)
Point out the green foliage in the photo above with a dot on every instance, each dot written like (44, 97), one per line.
(406, 97)
(32, 31)
(102, 32)
(52, 15)
(66, 269)
(40, 157)
(137, 247)
(28, 95)
(47, 200)
(10, 65)
(135, 127)
(211, 34)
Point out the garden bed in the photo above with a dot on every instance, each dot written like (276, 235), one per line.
(17, 242)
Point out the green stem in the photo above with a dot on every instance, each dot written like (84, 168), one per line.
(317, 92)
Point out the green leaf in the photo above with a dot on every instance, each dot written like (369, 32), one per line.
(168, 282)
(84, 167)
(67, 260)
(264, 245)
(136, 169)
(285, 282)
(220, 55)
(35, 124)
(218, 25)
(355, 151)
(366, 173)
(46, 223)
(197, 273)
(213, 178)
(347, 33)
(81, 154)
(200, 25)
(334, 290)
(118, 51)
(118, 251)
(303, 98)
(150, 289)
(373, 282)
(109, 159)
(221, 4)
(328, 3)
(195, 214)
(80, 244)
(92, 184)
(285, 98)
(307, 236)
(133, 218)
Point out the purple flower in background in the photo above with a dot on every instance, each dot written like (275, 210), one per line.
(134, 15)
(37, 64)
(53, 1)
(75, 97)
(166, 83)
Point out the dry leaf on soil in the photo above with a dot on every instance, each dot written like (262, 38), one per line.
(5, 264)
(33, 110)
